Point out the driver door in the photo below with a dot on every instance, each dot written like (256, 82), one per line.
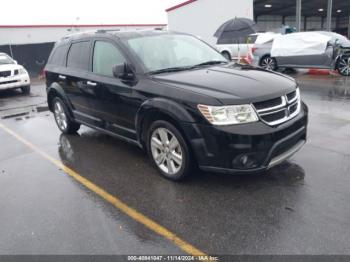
(110, 98)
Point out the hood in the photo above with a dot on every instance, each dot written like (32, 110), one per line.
(231, 85)
(10, 67)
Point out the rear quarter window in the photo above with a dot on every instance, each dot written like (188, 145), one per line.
(79, 55)
(58, 56)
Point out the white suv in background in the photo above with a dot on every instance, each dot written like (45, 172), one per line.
(235, 51)
(12, 75)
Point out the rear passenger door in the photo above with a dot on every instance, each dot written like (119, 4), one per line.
(78, 66)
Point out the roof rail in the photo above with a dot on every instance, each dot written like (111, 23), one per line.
(76, 34)
(107, 30)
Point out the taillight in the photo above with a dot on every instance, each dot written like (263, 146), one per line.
(254, 49)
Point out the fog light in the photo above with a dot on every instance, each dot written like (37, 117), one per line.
(244, 161)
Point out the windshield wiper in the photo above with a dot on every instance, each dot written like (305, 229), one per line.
(213, 62)
(182, 68)
(170, 69)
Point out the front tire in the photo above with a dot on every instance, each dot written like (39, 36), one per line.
(344, 66)
(269, 63)
(62, 118)
(25, 90)
(168, 150)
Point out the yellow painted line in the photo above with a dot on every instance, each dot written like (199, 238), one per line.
(134, 214)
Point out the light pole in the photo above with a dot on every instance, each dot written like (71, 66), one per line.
(298, 15)
(329, 15)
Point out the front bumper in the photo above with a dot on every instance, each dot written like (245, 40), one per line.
(248, 148)
(14, 82)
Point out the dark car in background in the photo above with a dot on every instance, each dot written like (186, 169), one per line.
(178, 98)
(321, 50)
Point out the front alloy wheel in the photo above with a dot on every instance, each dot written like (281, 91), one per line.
(344, 66)
(168, 150)
(269, 63)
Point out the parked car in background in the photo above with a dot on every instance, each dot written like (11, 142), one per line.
(243, 46)
(178, 98)
(262, 56)
(12, 75)
(322, 50)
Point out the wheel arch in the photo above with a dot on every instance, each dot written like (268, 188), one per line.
(160, 109)
(226, 51)
(336, 65)
(263, 57)
(55, 90)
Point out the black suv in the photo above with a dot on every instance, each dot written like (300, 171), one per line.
(178, 98)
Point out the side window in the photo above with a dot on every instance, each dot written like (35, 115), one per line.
(58, 56)
(105, 57)
(78, 55)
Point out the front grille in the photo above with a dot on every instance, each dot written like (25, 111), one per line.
(5, 73)
(274, 116)
(292, 96)
(8, 82)
(279, 110)
(16, 72)
(269, 103)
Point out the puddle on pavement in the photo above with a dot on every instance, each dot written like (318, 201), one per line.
(340, 88)
(24, 113)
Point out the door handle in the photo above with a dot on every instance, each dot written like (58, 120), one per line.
(91, 83)
(62, 77)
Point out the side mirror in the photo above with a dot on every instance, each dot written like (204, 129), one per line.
(123, 71)
(15, 62)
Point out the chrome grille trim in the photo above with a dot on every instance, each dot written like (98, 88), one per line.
(285, 106)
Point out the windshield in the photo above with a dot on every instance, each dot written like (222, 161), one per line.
(5, 60)
(173, 51)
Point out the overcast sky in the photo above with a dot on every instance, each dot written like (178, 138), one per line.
(84, 11)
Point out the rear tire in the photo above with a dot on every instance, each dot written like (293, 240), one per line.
(269, 63)
(25, 90)
(344, 66)
(168, 150)
(62, 118)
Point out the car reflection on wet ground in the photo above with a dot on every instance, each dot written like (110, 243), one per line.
(299, 207)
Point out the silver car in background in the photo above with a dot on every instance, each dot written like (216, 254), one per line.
(335, 54)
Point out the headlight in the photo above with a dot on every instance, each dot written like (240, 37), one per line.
(22, 71)
(228, 115)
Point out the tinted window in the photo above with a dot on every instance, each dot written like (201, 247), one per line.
(105, 57)
(78, 55)
(250, 39)
(58, 56)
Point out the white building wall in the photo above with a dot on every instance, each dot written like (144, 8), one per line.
(203, 17)
(33, 35)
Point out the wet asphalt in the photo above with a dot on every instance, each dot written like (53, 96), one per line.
(299, 207)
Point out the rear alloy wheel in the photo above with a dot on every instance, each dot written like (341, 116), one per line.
(63, 121)
(344, 66)
(168, 150)
(269, 63)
